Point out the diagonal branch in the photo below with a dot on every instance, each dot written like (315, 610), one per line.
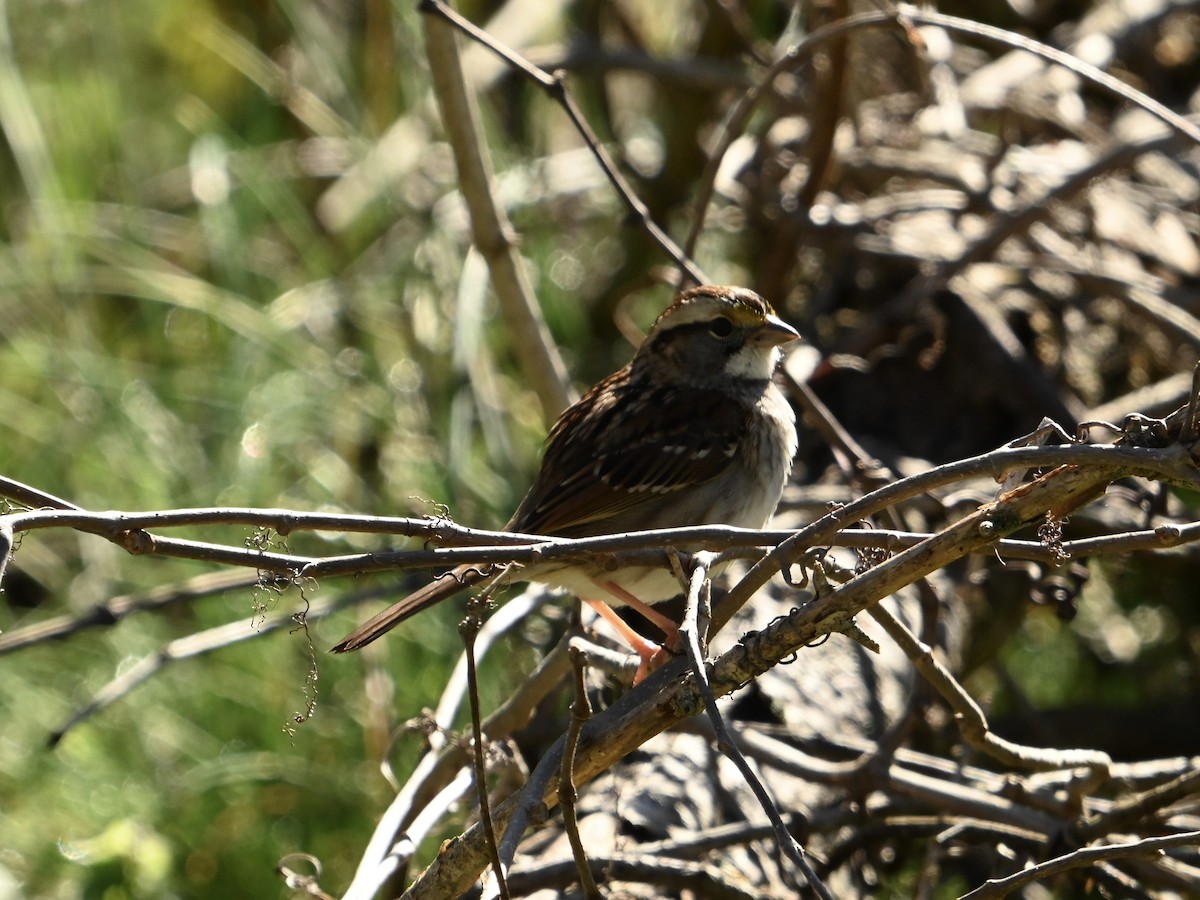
(553, 85)
(491, 231)
(1147, 848)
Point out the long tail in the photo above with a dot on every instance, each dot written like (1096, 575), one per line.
(435, 592)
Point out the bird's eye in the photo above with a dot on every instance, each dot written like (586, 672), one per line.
(721, 327)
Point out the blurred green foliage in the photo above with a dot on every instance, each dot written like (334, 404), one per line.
(197, 308)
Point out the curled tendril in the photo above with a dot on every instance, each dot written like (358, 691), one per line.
(786, 571)
(481, 571)
(809, 560)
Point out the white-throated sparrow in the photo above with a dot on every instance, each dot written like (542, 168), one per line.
(691, 432)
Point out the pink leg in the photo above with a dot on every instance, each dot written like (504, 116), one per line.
(643, 648)
(646, 611)
(651, 654)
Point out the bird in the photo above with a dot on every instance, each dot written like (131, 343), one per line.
(692, 431)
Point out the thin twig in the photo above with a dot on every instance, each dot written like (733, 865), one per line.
(110, 612)
(689, 635)
(32, 497)
(866, 470)
(972, 722)
(188, 647)
(7, 542)
(128, 530)
(581, 711)
(496, 625)
(553, 85)
(1130, 810)
(468, 628)
(1150, 848)
(527, 808)
(817, 533)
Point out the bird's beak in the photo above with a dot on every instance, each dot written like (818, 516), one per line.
(773, 332)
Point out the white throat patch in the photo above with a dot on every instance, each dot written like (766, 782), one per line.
(753, 362)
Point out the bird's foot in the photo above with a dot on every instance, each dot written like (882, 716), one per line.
(650, 654)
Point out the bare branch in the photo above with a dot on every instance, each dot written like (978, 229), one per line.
(698, 590)
(492, 233)
(1147, 848)
(581, 711)
(556, 90)
(971, 720)
(193, 645)
(468, 628)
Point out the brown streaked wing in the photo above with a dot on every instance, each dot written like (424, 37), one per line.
(602, 460)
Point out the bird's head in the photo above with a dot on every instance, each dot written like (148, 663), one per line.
(713, 332)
